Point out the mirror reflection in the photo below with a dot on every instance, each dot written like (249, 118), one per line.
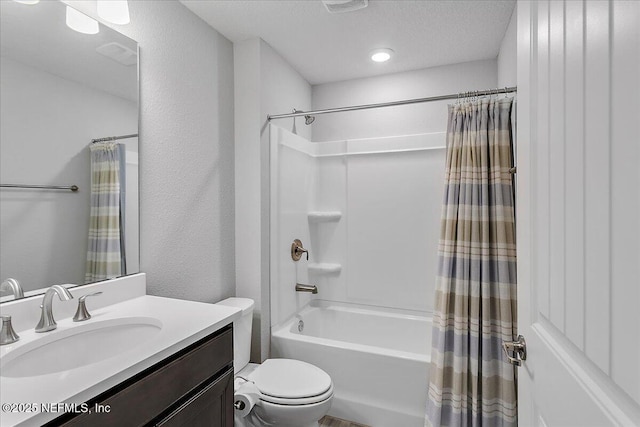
(68, 206)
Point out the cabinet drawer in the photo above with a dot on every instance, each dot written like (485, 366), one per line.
(146, 398)
(211, 407)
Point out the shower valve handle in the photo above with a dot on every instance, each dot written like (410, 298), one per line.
(297, 250)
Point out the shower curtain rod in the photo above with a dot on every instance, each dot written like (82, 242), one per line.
(114, 138)
(395, 103)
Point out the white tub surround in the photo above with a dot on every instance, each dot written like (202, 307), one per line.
(378, 358)
(182, 324)
(353, 203)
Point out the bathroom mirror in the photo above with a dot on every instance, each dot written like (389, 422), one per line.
(61, 89)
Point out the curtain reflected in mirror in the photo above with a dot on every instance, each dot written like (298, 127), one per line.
(106, 248)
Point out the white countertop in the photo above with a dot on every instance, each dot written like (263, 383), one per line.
(183, 323)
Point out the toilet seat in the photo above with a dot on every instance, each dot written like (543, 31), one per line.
(298, 402)
(291, 382)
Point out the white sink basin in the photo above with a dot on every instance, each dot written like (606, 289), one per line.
(77, 346)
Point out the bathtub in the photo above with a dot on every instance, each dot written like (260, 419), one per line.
(378, 358)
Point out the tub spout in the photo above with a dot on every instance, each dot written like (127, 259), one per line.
(306, 288)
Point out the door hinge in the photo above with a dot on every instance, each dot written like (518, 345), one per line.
(518, 348)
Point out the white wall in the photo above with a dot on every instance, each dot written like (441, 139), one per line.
(44, 233)
(265, 84)
(248, 250)
(132, 206)
(186, 151)
(507, 57)
(394, 198)
(392, 121)
(293, 185)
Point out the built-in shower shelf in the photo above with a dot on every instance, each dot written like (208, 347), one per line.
(324, 216)
(324, 268)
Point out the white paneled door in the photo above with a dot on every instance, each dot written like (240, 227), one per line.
(578, 212)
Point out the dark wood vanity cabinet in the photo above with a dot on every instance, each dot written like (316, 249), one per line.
(193, 387)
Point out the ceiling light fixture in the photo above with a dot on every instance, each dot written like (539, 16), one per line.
(27, 1)
(381, 55)
(80, 22)
(114, 11)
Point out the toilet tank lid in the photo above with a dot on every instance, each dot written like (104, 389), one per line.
(244, 304)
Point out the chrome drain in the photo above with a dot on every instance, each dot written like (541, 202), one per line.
(300, 326)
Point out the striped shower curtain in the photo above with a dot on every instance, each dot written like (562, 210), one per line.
(105, 252)
(471, 383)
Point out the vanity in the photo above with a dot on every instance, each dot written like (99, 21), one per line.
(139, 360)
(191, 387)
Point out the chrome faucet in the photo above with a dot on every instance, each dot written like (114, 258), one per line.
(306, 288)
(47, 322)
(15, 287)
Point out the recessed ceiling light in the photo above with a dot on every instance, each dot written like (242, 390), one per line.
(381, 55)
(27, 1)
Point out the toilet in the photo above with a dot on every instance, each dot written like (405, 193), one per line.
(277, 392)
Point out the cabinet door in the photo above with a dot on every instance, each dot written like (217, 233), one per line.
(143, 401)
(211, 407)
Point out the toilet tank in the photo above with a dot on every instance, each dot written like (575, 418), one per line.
(241, 331)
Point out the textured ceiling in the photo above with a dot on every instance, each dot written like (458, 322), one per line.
(326, 47)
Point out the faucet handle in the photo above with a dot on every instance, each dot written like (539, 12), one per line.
(82, 313)
(7, 334)
(297, 250)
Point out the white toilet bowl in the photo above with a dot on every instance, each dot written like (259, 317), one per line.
(290, 393)
(278, 392)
